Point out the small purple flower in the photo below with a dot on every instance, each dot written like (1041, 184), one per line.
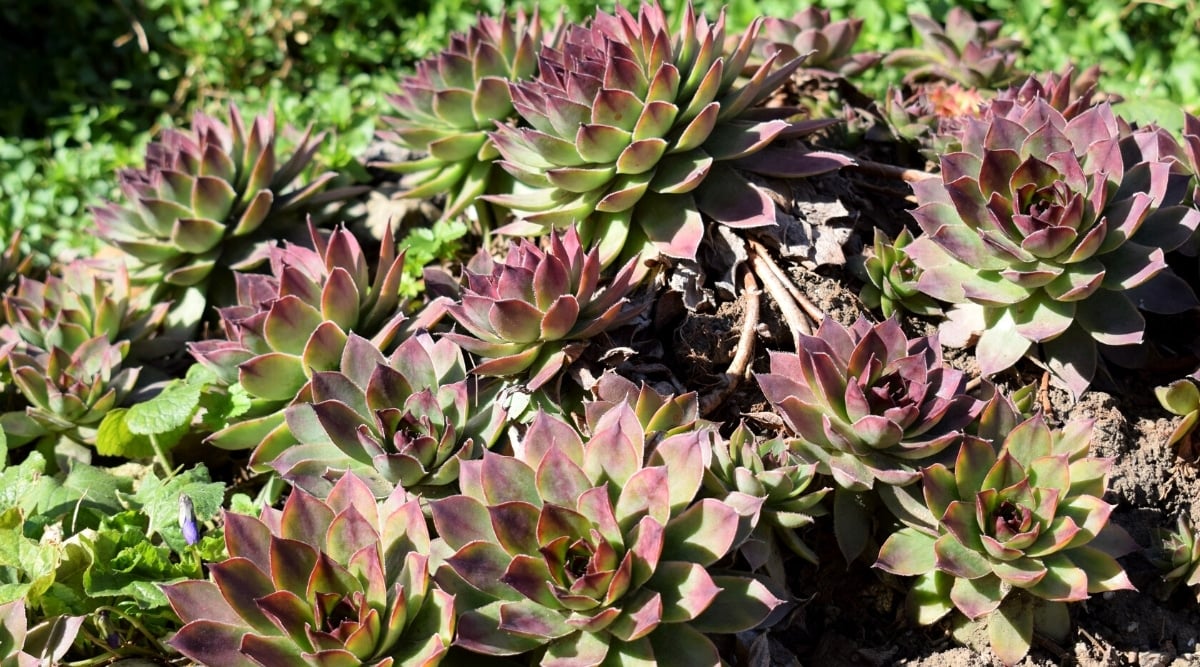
(187, 520)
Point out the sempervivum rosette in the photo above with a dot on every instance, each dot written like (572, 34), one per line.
(1015, 536)
(625, 123)
(407, 420)
(66, 345)
(810, 31)
(1052, 232)
(1176, 554)
(534, 312)
(295, 321)
(594, 551)
(768, 469)
(446, 109)
(207, 197)
(345, 581)
(867, 403)
(963, 51)
(83, 302)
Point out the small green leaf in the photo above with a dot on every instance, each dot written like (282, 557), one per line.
(114, 438)
(221, 406)
(171, 409)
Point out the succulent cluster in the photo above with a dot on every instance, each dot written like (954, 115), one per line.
(1177, 556)
(296, 321)
(772, 470)
(340, 581)
(597, 550)
(446, 109)
(1050, 232)
(65, 345)
(205, 196)
(890, 278)
(626, 121)
(406, 421)
(826, 44)
(533, 313)
(963, 51)
(1018, 534)
(476, 487)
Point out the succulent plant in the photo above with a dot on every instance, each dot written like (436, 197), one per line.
(626, 122)
(534, 312)
(83, 302)
(1182, 398)
(1051, 232)
(868, 404)
(768, 469)
(68, 392)
(595, 551)
(207, 196)
(345, 581)
(44, 644)
(891, 278)
(963, 51)
(827, 43)
(295, 321)
(1019, 532)
(1177, 557)
(408, 420)
(447, 108)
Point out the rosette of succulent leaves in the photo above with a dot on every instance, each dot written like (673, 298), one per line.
(869, 407)
(773, 470)
(211, 199)
(295, 321)
(1049, 237)
(345, 580)
(829, 44)
(585, 550)
(627, 125)
(532, 314)
(406, 420)
(1011, 535)
(1176, 554)
(70, 346)
(445, 111)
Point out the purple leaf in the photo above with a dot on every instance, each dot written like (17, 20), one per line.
(460, 520)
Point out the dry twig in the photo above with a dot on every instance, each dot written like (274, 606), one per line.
(739, 366)
(792, 314)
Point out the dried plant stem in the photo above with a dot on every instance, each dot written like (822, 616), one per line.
(815, 314)
(739, 366)
(1044, 395)
(890, 170)
(792, 314)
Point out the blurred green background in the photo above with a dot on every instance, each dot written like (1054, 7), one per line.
(84, 84)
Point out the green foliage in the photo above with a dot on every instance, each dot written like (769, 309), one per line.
(429, 245)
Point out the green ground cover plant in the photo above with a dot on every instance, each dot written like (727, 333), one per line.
(365, 333)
